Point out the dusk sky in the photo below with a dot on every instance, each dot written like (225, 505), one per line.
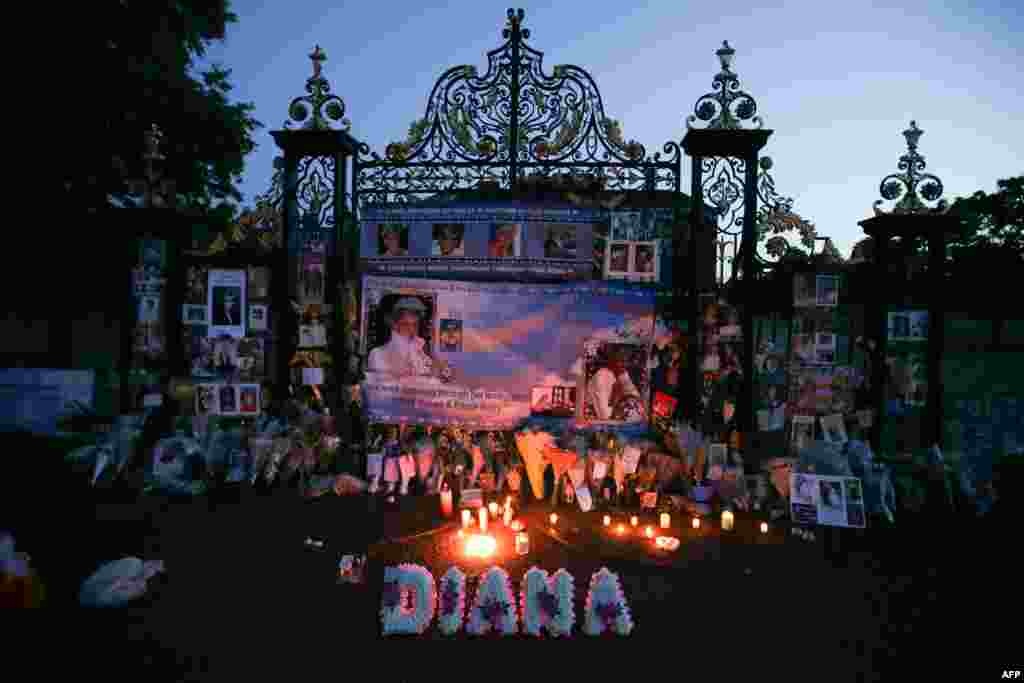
(837, 82)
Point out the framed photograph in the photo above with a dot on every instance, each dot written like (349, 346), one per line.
(249, 399)
(194, 314)
(804, 290)
(827, 290)
(506, 240)
(313, 335)
(227, 399)
(560, 242)
(206, 399)
(908, 326)
(553, 401)
(718, 454)
(258, 317)
(631, 261)
(312, 276)
(450, 340)
(616, 383)
(448, 240)
(259, 282)
(195, 287)
(227, 303)
(802, 434)
(393, 239)
(396, 322)
(834, 429)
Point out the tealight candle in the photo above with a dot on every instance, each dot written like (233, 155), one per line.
(522, 543)
(665, 520)
(649, 532)
(607, 520)
(634, 520)
(696, 522)
(483, 520)
(553, 518)
(467, 519)
(493, 507)
(764, 527)
(727, 520)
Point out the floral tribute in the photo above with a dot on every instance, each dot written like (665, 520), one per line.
(408, 600)
(606, 608)
(495, 605)
(451, 605)
(547, 602)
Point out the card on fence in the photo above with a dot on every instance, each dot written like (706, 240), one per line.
(578, 473)
(472, 498)
(374, 464)
(630, 459)
(487, 482)
(391, 470)
(583, 498)
(600, 470)
(408, 466)
(649, 500)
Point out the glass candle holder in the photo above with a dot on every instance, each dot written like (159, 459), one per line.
(467, 519)
(483, 520)
(607, 520)
(522, 543)
(696, 522)
(649, 532)
(666, 520)
(634, 520)
(728, 520)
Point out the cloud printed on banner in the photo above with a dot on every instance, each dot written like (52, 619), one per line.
(499, 339)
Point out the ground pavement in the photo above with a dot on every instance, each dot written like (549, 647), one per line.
(242, 596)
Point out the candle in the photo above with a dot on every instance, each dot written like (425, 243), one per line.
(446, 503)
(493, 507)
(696, 522)
(665, 520)
(607, 520)
(508, 515)
(522, 543)
(621, 529)
(460, 533)
(554, 519)
(467, 519)
(517, 525)
(634, 520)
(727, 520)
(649, 532)
(483, 520)
(764, 527)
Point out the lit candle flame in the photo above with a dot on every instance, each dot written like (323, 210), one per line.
(649, 532)
(554, 519)
(696, 523)
(764, 527)
(607, 520)
(621, 529)
(634, 520)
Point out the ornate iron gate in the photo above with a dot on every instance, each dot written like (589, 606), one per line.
(513, 122)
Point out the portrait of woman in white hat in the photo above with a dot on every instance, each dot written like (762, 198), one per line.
(403, 354)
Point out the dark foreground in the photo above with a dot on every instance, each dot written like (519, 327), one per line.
(244, 599)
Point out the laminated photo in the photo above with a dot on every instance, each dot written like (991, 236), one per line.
(194, 314)
(258, 317)
(834, 429)
(227, 303)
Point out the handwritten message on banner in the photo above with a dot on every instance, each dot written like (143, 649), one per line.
(489, 355)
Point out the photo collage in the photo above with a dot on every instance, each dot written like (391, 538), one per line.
(148, 281)
(226, 336)
(631, 250)
(823, 385)
(827, 501)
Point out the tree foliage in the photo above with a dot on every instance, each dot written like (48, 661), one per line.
(134, 63)
(991, 224)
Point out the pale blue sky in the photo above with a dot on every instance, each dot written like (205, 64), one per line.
(837, 82)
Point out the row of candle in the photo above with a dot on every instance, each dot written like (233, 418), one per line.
(492, 508)
(728, 520)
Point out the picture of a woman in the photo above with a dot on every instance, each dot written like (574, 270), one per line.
(448, 240)
(393, 240)
(504, 241)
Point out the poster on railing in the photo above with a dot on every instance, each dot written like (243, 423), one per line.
(489, 355)
(827, 501)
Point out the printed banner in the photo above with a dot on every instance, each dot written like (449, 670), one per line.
(828, 501)
(488, 355)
